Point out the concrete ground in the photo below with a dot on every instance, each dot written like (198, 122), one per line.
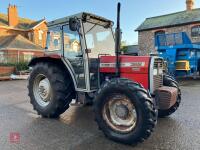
(76, 129)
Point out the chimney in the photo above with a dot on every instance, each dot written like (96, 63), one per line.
(12, 15)
(189, 5)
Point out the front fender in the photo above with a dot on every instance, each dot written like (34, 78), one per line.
(36, 60)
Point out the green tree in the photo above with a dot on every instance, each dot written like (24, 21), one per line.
(123, 46)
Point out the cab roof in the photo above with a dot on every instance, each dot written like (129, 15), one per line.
(84, 16)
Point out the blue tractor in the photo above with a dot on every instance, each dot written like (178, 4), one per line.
(182, 56)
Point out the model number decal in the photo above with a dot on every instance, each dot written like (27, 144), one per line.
(128, 64)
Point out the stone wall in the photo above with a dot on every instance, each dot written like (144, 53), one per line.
(146, 42)
(146, 39)
(6, 70)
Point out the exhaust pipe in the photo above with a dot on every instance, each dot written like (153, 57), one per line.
(118, 41)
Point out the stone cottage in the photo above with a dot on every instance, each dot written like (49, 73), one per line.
(185, 21)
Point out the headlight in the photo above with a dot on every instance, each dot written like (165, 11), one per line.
(155, 71)
(160, 71)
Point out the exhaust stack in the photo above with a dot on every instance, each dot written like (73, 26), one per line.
(118, 41)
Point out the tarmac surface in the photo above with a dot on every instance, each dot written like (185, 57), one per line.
(22, 129)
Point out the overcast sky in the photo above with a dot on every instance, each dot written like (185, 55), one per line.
(132, 15)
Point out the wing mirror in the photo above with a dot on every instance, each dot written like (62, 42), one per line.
(74, 24)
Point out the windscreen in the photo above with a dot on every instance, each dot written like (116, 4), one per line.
(99, 39)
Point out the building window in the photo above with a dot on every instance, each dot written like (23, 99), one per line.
(40, 37)
(2, 60)
(40, 34)
(30, 36)
(195, 31)
(160, 38)
(159, 32)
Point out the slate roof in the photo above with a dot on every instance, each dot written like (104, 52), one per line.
(17, 42)
(170, 20)
(24, 23)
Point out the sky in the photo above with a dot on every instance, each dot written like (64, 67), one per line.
(133, 12)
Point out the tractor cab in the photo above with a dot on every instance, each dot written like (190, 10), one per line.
(80, 40)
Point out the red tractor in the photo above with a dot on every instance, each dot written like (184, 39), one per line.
(83, 58)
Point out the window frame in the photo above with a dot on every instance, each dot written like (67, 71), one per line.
(84, 57)
(40, 35)
(196, 33)
(47, 49)
(63, 40)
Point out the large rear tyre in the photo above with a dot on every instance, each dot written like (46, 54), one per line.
(170, 81)
(50, 90)
(124, 111)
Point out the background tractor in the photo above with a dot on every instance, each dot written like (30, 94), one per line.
(83, 58)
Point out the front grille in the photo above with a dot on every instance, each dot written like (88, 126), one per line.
(158, 78)
(158, 63)
(157, 81)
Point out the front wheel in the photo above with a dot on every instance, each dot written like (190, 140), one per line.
(124, 111)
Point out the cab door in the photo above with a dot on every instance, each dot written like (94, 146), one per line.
(73, 52)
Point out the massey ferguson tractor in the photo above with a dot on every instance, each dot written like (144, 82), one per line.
(83, 65)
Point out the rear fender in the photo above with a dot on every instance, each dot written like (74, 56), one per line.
(55, 60)
(36, 60)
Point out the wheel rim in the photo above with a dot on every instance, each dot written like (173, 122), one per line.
(120, 113)
(42, 90)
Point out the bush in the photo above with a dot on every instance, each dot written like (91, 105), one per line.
(21, 66)
(7, 64)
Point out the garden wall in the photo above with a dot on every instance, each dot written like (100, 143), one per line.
(6, 70)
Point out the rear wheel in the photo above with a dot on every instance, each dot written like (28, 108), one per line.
(170, 81)
(50, 90)
(124, 111)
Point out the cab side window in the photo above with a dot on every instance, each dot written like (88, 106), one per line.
(54, 39)
(72, 45)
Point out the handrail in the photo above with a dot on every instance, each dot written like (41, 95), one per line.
(172, 39)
